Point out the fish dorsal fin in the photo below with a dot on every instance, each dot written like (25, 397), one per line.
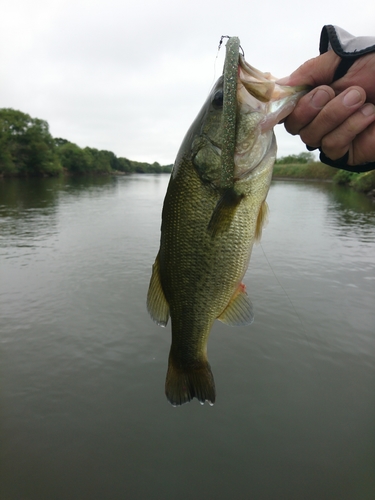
(261, 220)
(239, 311)
(157, 304)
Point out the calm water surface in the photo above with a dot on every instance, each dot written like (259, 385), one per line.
(83, 413)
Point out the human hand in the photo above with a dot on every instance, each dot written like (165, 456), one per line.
(338, 117)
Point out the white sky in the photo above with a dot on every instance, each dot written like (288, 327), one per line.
(130, 76)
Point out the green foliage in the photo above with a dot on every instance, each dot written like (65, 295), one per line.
(344, 177)
(59, 141)
(302, 158)
(103, 161)
(26, 145)
(73, 158)
(6, 161)
(156, 168)
(27, 148)
(100, 161)
(314, 170)
(144, 168)
(124, 165)
(364, 182)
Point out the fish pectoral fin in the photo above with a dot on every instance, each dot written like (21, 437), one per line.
(239, 311)
(157, 304)
(224, 211)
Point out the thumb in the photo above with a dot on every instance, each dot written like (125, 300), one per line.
(314, 72)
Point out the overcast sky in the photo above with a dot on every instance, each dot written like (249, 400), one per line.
(130, 77)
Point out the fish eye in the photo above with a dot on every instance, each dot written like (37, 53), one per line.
(217, 100)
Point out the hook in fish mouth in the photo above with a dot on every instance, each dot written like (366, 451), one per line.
(228, 36)
(248, 90)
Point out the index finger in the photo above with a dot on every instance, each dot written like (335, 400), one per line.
(308, 107)
(317, 71)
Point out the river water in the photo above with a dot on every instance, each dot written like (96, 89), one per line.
(83, 411)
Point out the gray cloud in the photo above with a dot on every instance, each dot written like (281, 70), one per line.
(130, 77)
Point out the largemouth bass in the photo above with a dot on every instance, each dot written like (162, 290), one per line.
(214, 210)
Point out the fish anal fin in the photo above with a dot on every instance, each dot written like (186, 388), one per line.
(239, 311)
(261, 220)
(185, 383)
(157, 304)
(224, 211)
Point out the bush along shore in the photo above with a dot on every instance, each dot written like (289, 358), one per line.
(303, 167)
(28, 149)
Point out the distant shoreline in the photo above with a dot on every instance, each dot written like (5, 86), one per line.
(308, 172)
(319, 172)
(300, 179)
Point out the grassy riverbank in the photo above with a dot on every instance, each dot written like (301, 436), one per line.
(364, 182)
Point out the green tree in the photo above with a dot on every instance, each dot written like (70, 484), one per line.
(124, 165)
(74, 159)
(156, 168)
(302, 158)
(7, 165)
(100, 160)
(27, 147)
(59, 141)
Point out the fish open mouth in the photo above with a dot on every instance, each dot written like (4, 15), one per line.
(261, 104)
(259, 91)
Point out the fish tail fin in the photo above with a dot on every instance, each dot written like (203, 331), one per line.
(184, 384)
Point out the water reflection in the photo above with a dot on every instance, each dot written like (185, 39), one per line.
(29, 207)
(86, 185)
(17, 196)
(27, 213)
(351, 212)
(83, 366)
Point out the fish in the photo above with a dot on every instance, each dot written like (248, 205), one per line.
(213, 212)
